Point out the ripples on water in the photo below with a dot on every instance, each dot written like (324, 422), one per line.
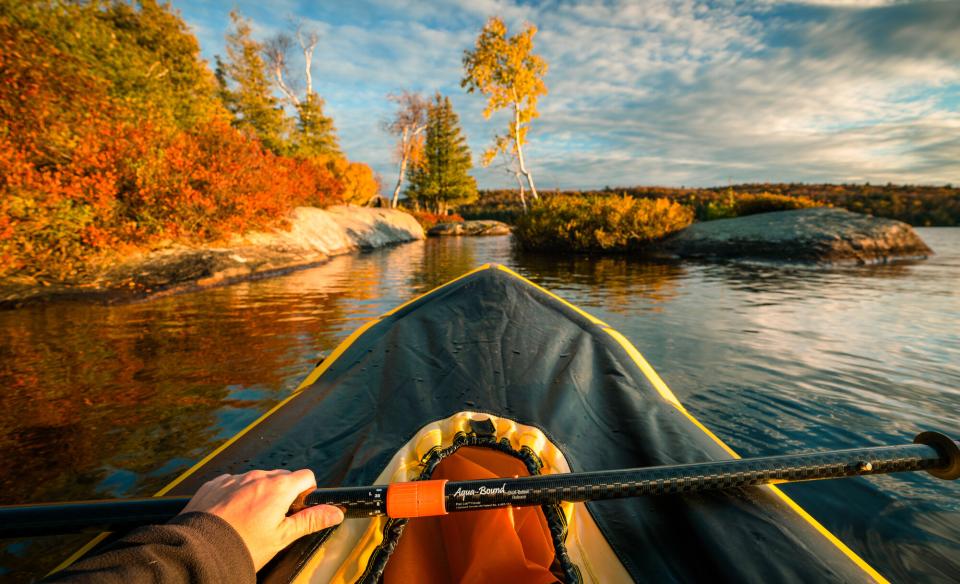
(116, 401)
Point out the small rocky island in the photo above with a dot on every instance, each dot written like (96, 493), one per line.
(478, 227)
(822, 234)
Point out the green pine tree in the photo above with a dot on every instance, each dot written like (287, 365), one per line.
(316, 134)
(441, 179)
(246, 90)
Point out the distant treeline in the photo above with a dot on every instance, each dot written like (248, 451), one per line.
(916, 205)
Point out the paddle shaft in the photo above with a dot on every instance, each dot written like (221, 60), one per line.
(932, 452)
(936, 453)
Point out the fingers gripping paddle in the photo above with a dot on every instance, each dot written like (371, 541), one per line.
(931, 451)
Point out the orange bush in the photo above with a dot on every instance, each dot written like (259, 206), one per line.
(215, 181)
(81, 175)
(360, 183)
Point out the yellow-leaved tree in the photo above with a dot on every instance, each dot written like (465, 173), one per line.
(505, 69)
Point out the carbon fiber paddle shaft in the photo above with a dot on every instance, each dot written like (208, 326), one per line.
(687, 478)
(932, 451)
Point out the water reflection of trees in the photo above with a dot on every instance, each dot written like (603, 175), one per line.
(441, 260)
(623, 280)
(116, 401)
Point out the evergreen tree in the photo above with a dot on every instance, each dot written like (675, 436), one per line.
(246, 90)
(441, 179)
(316, 134)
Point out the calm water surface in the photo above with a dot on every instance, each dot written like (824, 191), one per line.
(100, 401)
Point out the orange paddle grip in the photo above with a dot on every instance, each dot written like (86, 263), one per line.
(416, 499)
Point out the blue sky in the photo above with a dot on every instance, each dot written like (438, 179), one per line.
(655, 92)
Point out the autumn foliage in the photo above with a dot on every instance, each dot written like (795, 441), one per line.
(504, 68)
(599, 224)
(732, 204)
(86, 170)
(919, 205)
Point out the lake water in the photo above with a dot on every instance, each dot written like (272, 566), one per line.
(114, 401)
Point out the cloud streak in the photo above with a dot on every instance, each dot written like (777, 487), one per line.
(665, 91)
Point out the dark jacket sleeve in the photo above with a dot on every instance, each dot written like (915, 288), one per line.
(194, 548)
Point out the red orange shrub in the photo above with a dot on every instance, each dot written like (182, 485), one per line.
(82, 174)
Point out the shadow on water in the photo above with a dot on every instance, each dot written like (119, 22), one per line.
(103, 401)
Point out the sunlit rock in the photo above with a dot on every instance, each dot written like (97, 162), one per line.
(310, 237)
(814, 235)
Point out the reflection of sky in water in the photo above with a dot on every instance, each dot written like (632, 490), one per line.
(118, 482)
(116, 401)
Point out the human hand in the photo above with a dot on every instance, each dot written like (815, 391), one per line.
(256, 503)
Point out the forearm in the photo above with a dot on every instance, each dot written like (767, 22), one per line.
(193, 548)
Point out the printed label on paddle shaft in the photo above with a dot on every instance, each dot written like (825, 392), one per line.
(484, 497)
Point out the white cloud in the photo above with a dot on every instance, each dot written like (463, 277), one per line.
(666, 91)
(842, 3)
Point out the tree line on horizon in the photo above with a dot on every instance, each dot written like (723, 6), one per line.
(918, 205)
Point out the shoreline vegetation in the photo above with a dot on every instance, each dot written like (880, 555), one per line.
(311, 237)
(119, 144)
(646, 223)
(917, 205)
(115, 138)
(620, 224)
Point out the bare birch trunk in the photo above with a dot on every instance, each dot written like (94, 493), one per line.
(308, 43)
(308, 62)
(523, 198)
(404, 154)
(278, 73)
(520, 160)
(395, 201)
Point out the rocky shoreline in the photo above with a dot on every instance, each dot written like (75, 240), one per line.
(477, 227)
(818, 235)
(313, 237)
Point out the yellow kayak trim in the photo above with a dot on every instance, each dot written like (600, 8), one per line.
(662, 388)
